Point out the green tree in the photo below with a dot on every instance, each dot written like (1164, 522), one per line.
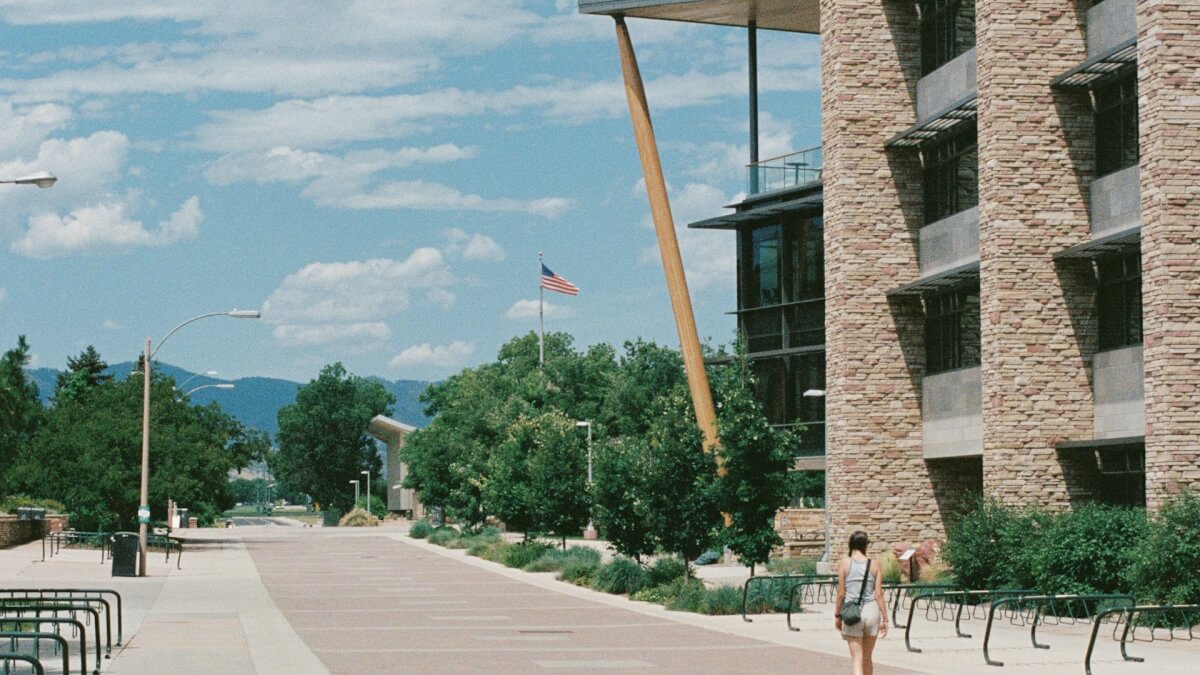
(643, 374)
(322, 437)
(83, 373)
(558, 477)
(618, 488)
(756, 480)
(21, 410)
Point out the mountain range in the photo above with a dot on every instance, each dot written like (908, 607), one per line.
(254, 401)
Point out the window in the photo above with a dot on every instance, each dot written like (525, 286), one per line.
(947, 30)
(952, 330)
(1119, 300)
(765, 268)
(782, 382)
(782, 273)
(951, 175)
(1116, 125)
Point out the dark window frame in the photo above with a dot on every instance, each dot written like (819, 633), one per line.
(1115, 107)
(945, 347)
(950, 175)
(1119, 300)
(944, 36)
(794, 318)
(781, 383)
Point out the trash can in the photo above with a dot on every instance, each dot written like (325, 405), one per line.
(124, 552)
(183, 517)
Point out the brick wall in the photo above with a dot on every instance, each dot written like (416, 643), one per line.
(14, 532)
(878, 480)
(1038, 326)
(1169, 92)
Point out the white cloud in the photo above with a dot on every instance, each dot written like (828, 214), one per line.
(320, 334)
(475, 247)
(3, 295)
(103, 228)
(110, 324)
(22, 130)
(528, 309)
(709, 257)
(452, 355)
(289, 165)
(426, 195)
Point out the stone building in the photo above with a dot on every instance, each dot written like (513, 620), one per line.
(990, 266)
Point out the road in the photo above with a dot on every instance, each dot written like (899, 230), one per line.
(374, 604)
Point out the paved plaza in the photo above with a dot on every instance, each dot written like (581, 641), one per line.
(274, 599)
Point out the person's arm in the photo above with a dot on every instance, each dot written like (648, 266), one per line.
(841, 596)
(880, 603)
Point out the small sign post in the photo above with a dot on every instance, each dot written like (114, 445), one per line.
(144, 514)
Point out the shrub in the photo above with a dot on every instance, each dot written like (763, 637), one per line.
(722, 600)
(622, 575)
(792, 566)
(442, 536)
(579, 572)
(358, 518)
(1162, 569)
(1086, 550)
(708, 557)
(769, 596)
(554, 560)
(988, 547)
(483, 537)
(520, 555)
(493, 551)
(11, 503)
(686, 595)
(891, 568)
(420, 529)
(664, 571)
(656, 594)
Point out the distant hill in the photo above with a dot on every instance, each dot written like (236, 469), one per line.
(255, 401)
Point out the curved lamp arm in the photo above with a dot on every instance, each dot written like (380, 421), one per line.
(237, 314)
(223, 385)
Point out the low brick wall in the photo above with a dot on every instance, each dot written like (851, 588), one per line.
(14, 532)
(803, 532)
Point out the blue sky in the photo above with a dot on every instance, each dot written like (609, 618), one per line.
(378, 177)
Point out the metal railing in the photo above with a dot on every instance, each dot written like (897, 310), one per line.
(68, 538)
(38, 613)
(944, 604)
(784, 171)
(774, 579)
(17, 623)
(16, 638)
(1179, 622)
(7, 658)
(1060, 608)
(895, 594)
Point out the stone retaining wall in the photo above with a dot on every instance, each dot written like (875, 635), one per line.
(14, 532)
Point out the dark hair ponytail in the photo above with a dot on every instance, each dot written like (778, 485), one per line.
(858, 542)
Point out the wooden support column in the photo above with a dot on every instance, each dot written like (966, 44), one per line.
(668, 245)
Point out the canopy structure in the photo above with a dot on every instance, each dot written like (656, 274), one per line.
(392, 433)
(796, 16)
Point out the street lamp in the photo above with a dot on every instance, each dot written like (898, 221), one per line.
(820, 393)
(209, 373)
(223, 385)
(590, 532)
(42, 179)
(148, 356)
(355, 493)
(368, 475)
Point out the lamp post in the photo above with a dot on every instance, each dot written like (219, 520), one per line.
(590, 532)
(223, 385)
(42, 179)
(207, 373)
(148, 356)
(355, 493)
(368, 475)
(820, 393)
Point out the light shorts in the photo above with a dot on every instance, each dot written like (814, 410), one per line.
(869, 624)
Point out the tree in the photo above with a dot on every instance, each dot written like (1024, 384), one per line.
(644, 373)
(619, 494)
(757, 479)
(21, 410)
(323, 443)
(84, 372)
(558, 476)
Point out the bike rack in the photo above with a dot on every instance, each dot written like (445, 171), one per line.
(8, 615)
(894, 594)
(34, 663)
(1090, 604)
(37, 637)
(76, 623)
(775, 578)
(69, 594)
(1130, 617)
(947, 598)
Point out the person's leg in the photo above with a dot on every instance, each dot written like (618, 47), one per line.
(868, 647)
(856, 654)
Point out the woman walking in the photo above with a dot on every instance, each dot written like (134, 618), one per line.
(860, 592)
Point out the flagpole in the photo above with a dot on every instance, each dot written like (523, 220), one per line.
(541, 315)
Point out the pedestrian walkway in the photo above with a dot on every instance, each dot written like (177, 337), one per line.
(313, 600)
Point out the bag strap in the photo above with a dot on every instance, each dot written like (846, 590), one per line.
(863, 589)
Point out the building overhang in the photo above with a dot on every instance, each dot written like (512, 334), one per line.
(1100, 68)
(795, 16)
(1117, 242)
(388, 430)
(942, 281)
(1113, 456)
(1095, 443)
(937, 127)
(768, 205)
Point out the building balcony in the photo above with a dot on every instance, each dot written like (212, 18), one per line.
(785, 171)
(1110, 24)
(952, 414)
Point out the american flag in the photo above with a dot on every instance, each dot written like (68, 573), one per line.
(553, 282)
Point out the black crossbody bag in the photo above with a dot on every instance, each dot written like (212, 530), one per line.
(852, 613)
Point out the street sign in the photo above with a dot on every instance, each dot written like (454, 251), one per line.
(144, 514)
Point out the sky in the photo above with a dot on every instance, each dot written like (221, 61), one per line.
(377, 177)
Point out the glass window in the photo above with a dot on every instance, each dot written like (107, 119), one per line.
(772, 393)
(764, 287)
(947, 30)
(951, 175)
(1119, 300)
(1117, 125)
(952, 330)
(782, 382)
(763, 329)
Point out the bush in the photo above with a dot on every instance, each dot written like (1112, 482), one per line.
(1086, 550)
(520, 555)
(988, 547)
(792, 566)
(11, 503)
(1162, 569)
(621, 576)
(686, 595)
(891, 569)
(664, 571)
(358, 518)
(443, 536)
(493, 551)
(420, 529)
(554, 560)
(722, 600)
(579, 572)
(769, 596)
(656, 594)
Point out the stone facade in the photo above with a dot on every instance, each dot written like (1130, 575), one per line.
(875, 357)
(1169, 94)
